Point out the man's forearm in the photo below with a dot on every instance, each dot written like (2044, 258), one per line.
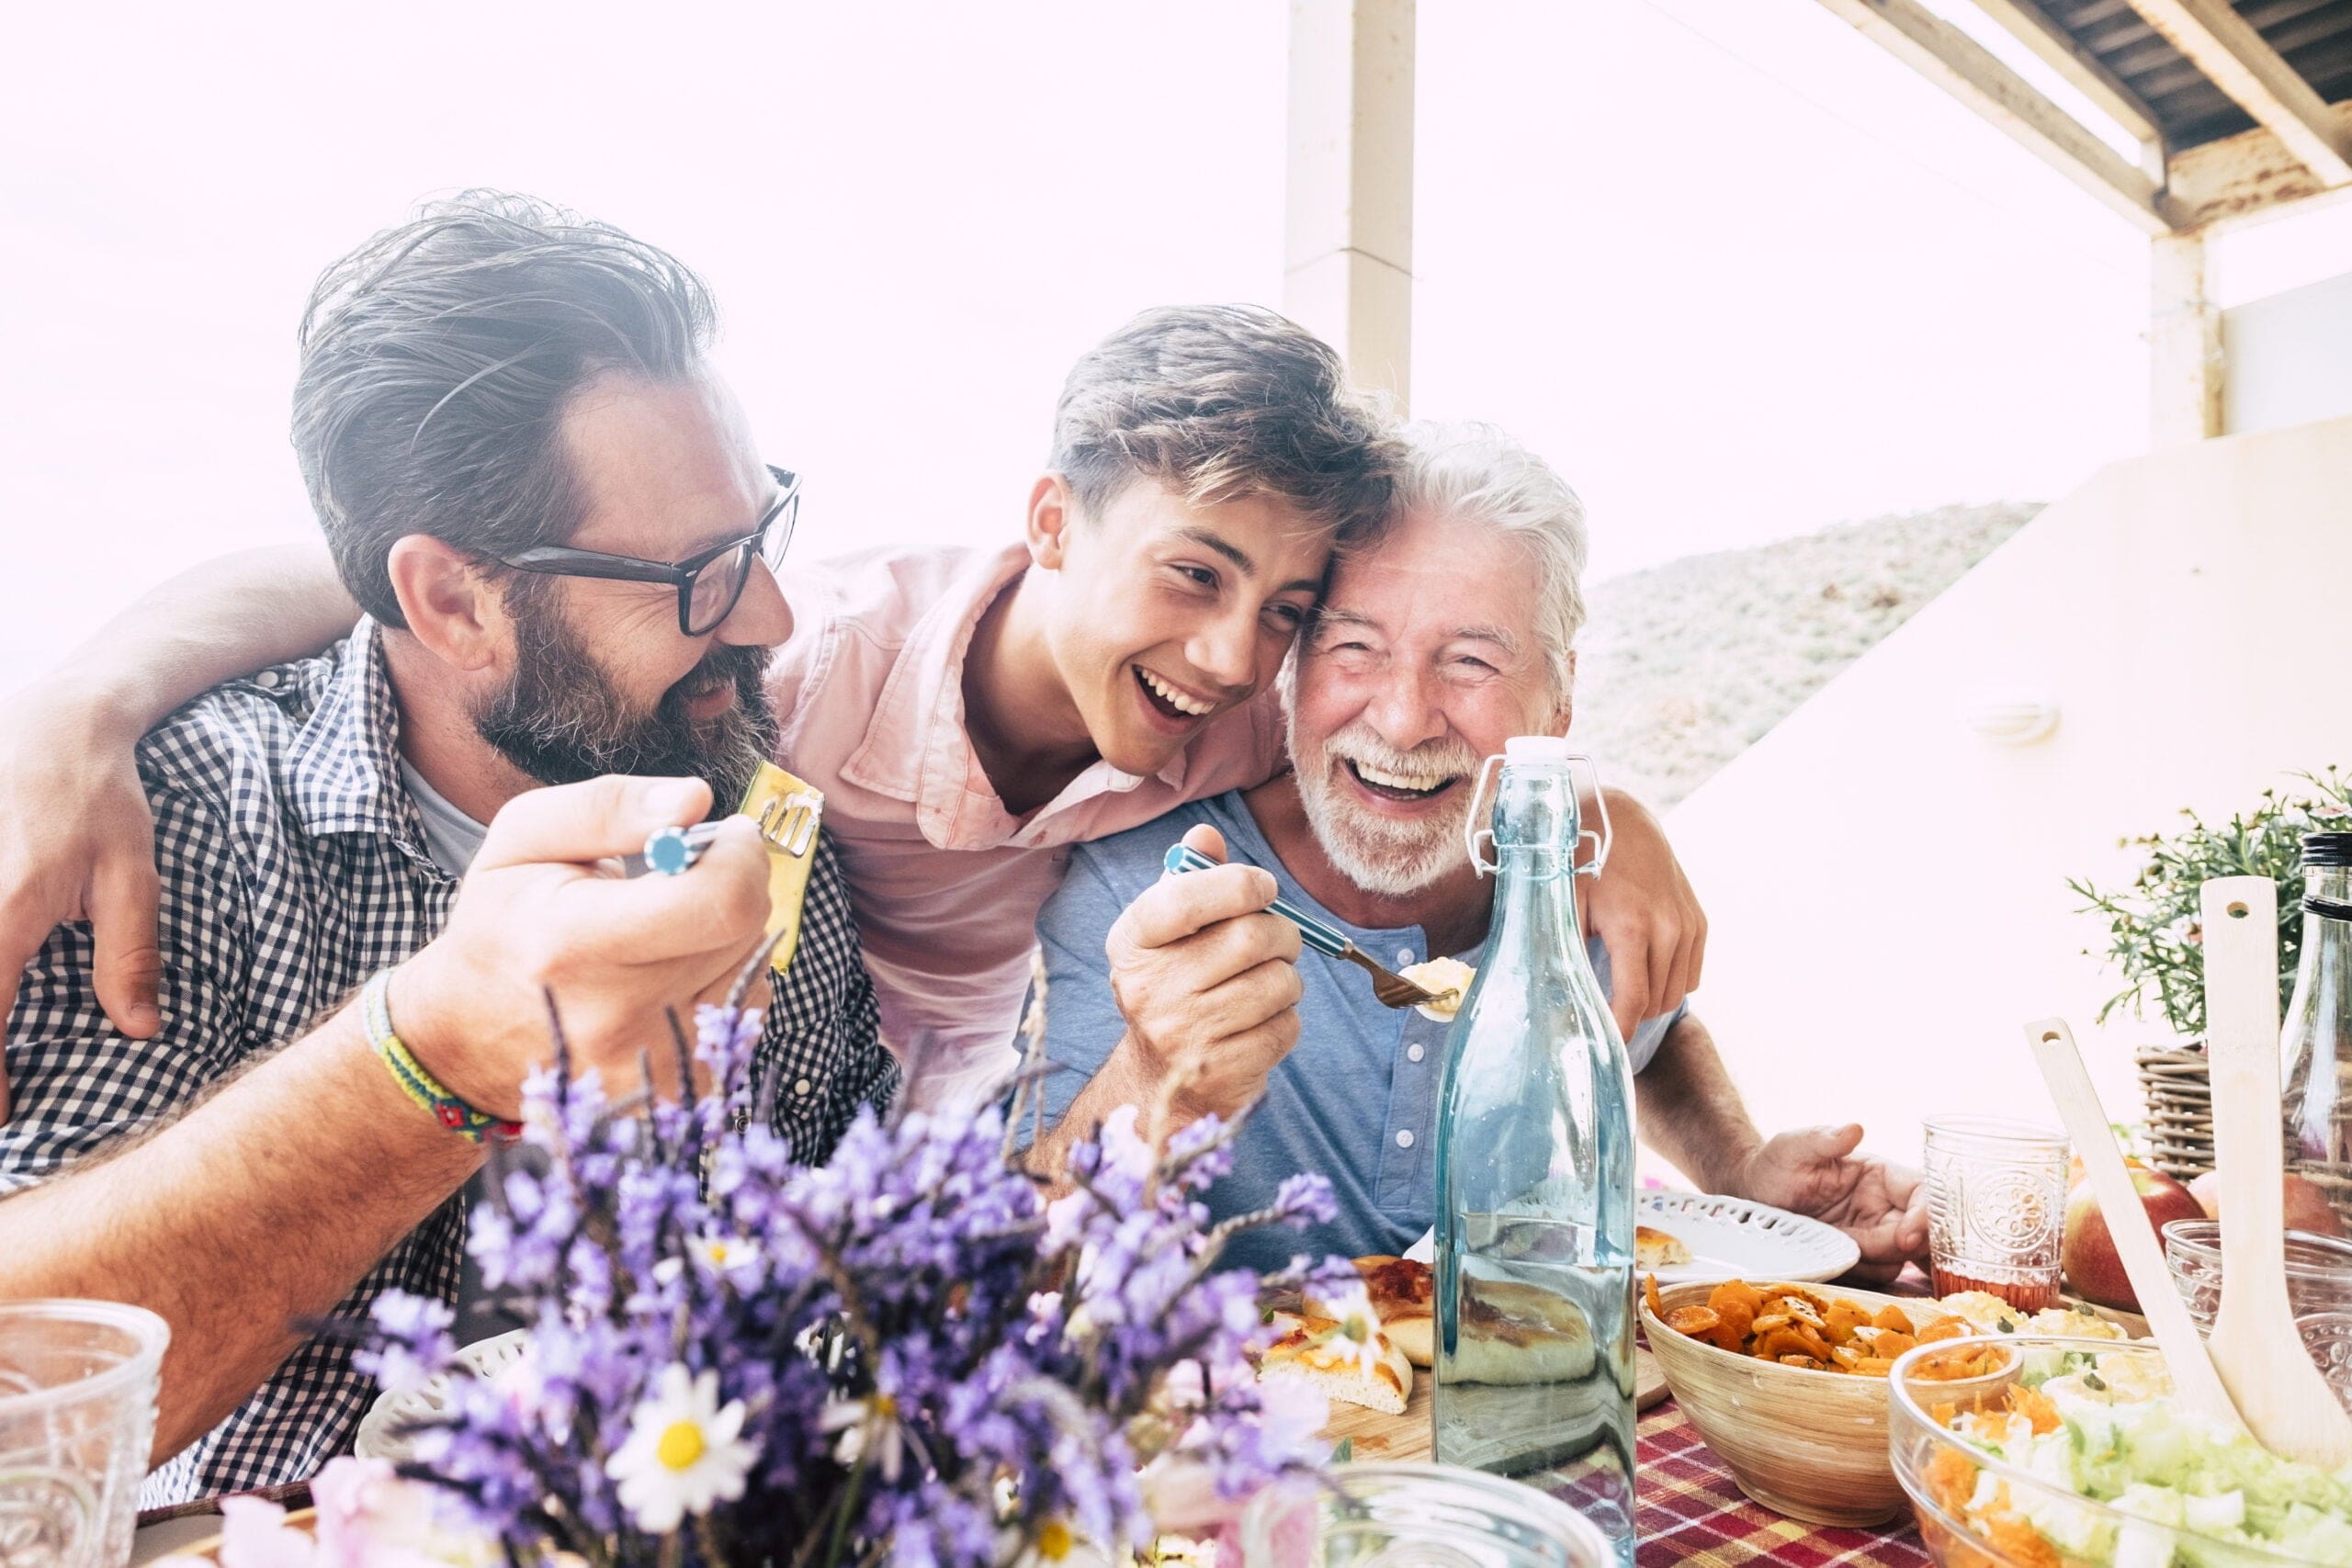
(1690, 1111)
(217, 620)
(1124, 1080)
(264, 1205)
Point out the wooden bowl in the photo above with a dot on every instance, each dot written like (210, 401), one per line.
(1810, 1444)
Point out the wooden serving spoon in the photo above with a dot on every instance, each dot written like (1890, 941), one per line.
(2255, 1346)
(2196, 1386)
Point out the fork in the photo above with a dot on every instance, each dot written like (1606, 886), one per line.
(1390, 989)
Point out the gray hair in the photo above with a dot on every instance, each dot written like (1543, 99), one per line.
(438, 360)
(1475, 472)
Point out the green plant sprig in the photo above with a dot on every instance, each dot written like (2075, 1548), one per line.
(2156, 939)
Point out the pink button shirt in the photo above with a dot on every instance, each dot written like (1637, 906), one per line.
(945, 882)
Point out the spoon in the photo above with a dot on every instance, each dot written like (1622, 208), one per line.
(2257, 1349)
(2197, 1388)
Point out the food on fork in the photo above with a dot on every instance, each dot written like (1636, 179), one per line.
(1655, 1248)
(1449, 979)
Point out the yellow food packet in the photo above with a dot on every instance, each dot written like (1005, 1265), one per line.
(787, 811)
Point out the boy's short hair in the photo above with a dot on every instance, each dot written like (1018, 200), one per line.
(1222, 402)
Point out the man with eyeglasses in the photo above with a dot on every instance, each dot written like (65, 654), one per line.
(555, 519)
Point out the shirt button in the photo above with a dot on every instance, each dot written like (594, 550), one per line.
(266, 680)
(1414, 1053)
(801, 1088)
(1405, 1139)
(1404, 957)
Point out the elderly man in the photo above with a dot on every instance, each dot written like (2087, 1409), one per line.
(562, 535)
(1456, 632)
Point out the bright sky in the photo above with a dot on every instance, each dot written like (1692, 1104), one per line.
(1738, 271)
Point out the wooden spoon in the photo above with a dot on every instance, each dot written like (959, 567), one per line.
(2255, 1346)
(2196, 1386)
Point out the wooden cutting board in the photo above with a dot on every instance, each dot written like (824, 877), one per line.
(1406, 1437)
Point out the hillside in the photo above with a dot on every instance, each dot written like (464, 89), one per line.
(1683, 665)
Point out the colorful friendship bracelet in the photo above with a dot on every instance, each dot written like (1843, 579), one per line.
(416, 1081)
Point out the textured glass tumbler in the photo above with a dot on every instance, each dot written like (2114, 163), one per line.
(1996, 1208)
(77, 1418)
(1422, 1516)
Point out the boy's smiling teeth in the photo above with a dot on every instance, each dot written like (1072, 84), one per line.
(1182, 701)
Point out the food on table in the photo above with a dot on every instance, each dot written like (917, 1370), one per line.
(1404, 1295)
(1797, 1325)
(1991, 1314)
(2307, 1207)
(1513, 1333)
(1448, 977)
(2087, 1253)
(2103, 1426)
(1371, 1371)
(1655, 1248)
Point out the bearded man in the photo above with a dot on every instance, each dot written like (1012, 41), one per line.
(552, 513)
(1455, 631)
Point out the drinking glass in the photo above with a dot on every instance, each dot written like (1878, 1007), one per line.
(77, 1418)
(1426, 1516)
(1997, 1207)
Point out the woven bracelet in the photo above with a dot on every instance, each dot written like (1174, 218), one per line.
(416, 1081)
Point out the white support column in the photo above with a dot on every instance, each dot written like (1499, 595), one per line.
(1348, 245)
(2185, 359)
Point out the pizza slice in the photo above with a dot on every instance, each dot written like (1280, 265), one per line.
(1654, 1249)
(1372, 1372)
(1403, 1295)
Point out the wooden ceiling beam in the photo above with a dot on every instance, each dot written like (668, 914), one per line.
(1965, 69)
(2246, 176)
(2227, 48)
(2026, 21)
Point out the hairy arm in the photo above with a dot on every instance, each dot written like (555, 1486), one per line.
(215, 621)
(76, 837)
(1690, 1111)
(264, 1205)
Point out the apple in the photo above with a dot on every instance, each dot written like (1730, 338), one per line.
(2307, 1207)
(2086, 1252)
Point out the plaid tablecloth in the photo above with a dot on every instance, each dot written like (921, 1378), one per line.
(1689, 1510)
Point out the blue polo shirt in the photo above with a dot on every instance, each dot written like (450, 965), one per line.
(1356, 1099)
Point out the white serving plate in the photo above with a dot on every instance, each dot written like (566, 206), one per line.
(1733, 1238)
(379, 1437)
(1728, 1238)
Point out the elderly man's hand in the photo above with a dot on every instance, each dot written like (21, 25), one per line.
(1647, 918)
(1208, 982)
(1814, 1171)
(542, 912)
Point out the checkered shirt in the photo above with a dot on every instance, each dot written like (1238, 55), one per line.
(294, 867)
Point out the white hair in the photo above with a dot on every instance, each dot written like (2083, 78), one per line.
(1475, 472)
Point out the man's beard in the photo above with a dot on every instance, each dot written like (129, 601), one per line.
(1378, 853)
(559, 719)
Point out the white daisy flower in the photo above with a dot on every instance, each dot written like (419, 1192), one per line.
(1358, 1326)
(683, 1452)
(867, 1427)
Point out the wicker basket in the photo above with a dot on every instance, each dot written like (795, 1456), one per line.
(2178, 1093)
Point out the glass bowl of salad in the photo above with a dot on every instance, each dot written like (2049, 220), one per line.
(2073, 1454)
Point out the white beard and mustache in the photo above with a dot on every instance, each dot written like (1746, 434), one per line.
(1379, 854)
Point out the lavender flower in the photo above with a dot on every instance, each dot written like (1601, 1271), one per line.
(904, 1355)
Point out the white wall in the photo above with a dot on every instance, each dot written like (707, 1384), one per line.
(2289, 357)
(1886, 888)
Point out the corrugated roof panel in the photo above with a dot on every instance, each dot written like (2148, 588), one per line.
(2312, 36)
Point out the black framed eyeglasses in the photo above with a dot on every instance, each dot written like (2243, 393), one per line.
(710, 583)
